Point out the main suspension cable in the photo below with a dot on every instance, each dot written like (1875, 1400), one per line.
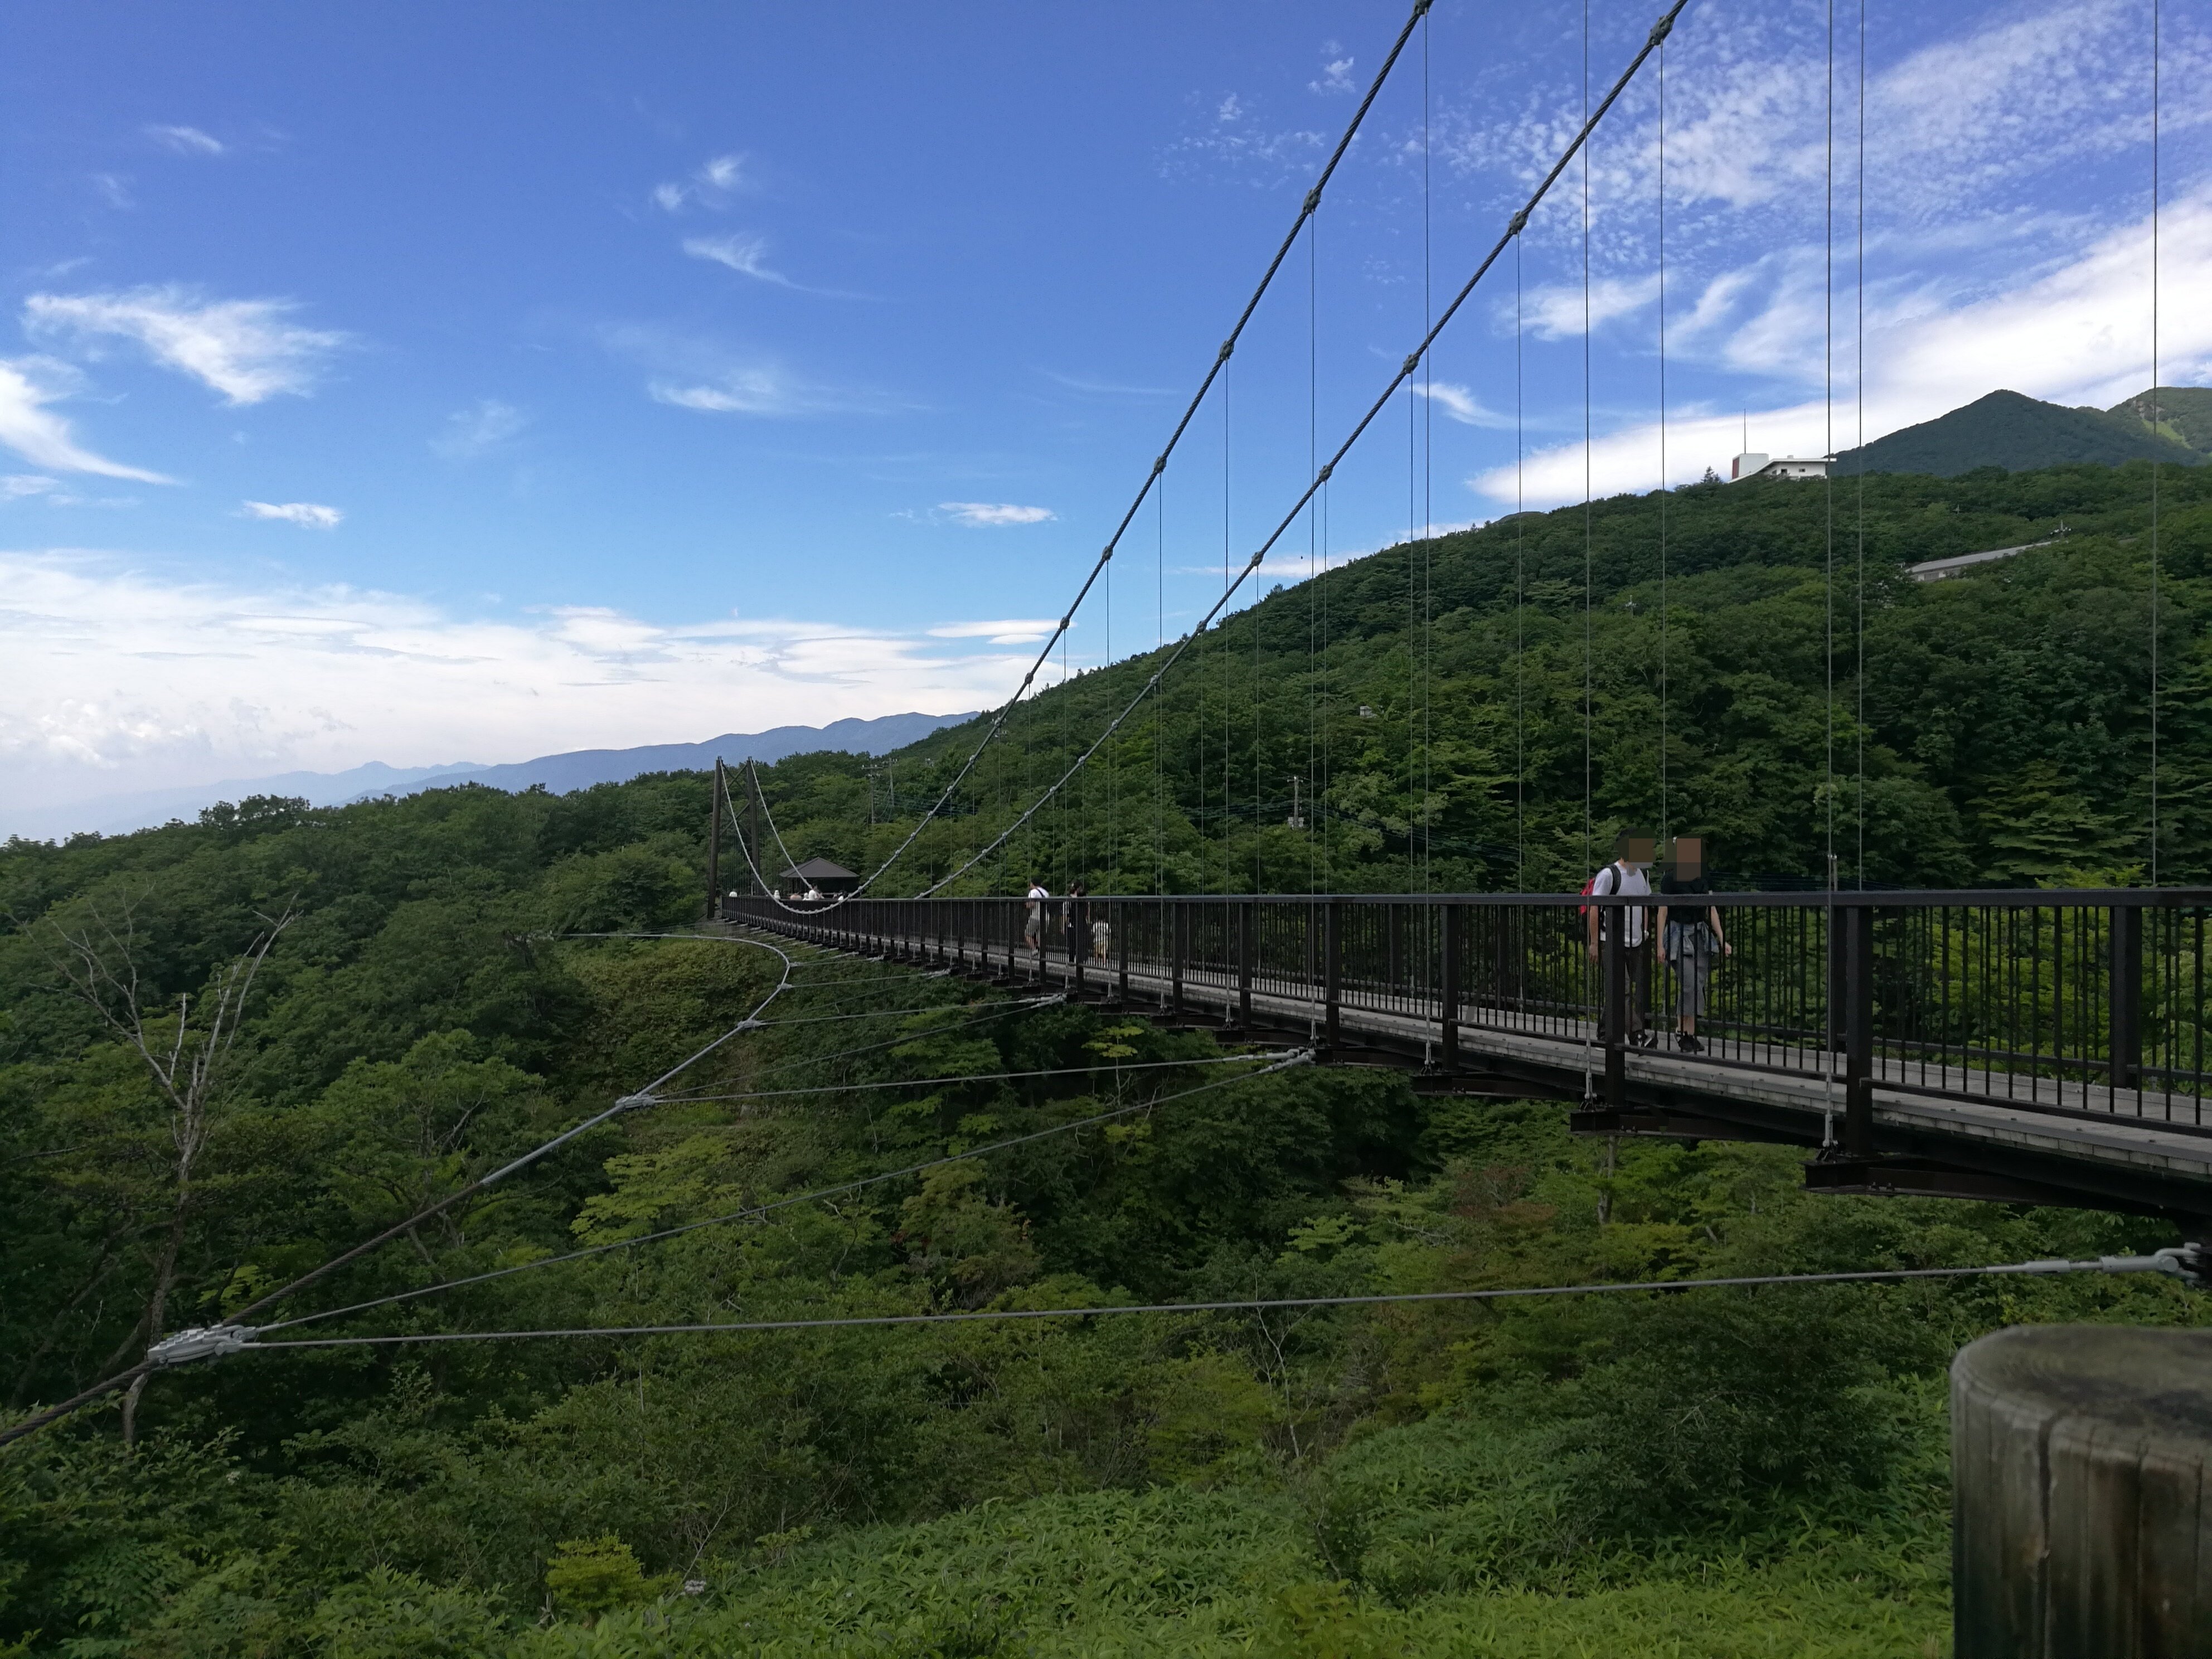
(1307, 207)
(1405, 371)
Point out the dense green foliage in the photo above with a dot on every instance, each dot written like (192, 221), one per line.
(2002, 718)
(1734, 1474)
(2018, 433)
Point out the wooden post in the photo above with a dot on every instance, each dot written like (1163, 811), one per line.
(715, 846)
(2081, 1494)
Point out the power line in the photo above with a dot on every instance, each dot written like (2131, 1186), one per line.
(2184, 1262)
(753, 1212)
(967, 1077)
(125, 1378)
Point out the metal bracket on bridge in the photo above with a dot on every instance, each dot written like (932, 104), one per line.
(200, 1342)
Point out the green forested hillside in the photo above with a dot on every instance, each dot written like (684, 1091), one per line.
(2001, 720)
(1733, 1473)
(2007, 429)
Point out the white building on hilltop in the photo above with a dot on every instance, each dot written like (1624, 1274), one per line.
(1753, 465)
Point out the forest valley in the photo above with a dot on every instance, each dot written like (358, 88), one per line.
(232, 1050)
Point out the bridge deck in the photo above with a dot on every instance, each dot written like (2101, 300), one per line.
(2076, 1142)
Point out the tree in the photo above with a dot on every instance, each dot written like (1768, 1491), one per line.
(184, 1055)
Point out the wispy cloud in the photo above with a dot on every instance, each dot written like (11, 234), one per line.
(1460, 404)
(478, 430)
(17, 485)
(104, 665)
(991, 514)
(1335, 71)
(1556, 312)
(711, 186)
(1232, 141)
(2078, 334)
(246, 350)
(33, 430)
(1107, 388)
(186, 141)
(689, 371)
(746, 255)
(1013, 631)
(308, 515)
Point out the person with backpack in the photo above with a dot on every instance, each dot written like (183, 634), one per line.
(1689, 936)
(1624, 877)
(1033, 921)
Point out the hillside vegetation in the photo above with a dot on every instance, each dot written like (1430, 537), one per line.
(1724, 1473)
(2007, 429)
(2001, 720)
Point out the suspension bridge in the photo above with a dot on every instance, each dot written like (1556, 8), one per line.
(2041, 1047)
(2021, 1046)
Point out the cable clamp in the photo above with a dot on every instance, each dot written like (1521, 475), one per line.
(1227, 346)
(631, 1102)
(1421, 7)
(200, 1342)
(1518, 223)
(1313, 199)
(1413, 362)
(1662, 29)
(1322, 476)
(1159, 463)
(1256, 558)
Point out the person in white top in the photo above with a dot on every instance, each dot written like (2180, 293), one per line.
(1624, 876)
(1033, 924)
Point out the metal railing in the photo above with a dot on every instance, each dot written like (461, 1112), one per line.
(2077, 1002)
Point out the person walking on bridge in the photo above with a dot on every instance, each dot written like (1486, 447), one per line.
(1033, 922)
(1624, 877)
(1689, 936)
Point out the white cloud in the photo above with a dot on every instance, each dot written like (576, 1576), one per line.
(185, 141)
(991, 513)
(1556, 312)
(1460, 404)
(1335, 75)
(17, 485)
(1007, 631)
(246, 349)
(105, 667)
(717, 179)
(41, 437)
(2078, 334)
(308, 515)
(478, 430)
(746, 255)
(740, 391)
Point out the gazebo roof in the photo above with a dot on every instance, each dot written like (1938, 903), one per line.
(820, 870)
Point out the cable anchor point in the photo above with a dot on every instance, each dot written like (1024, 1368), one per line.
(1313, 200)
(1662, 28)
(1227, 346)
(1413, 362)
(200, 1342)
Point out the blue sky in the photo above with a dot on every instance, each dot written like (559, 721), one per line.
(419, 384)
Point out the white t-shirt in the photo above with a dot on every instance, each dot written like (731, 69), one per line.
(1632, 882)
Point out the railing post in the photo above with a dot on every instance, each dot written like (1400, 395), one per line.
(1118, 914)
(2125, 994)
(1332, 971)
(1448, 992)
(1078, 948)
(1248, 931)
(1613, 971)
(1178, 953)
(1858, 1029)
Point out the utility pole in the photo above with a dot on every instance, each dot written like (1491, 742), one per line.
(715, 846)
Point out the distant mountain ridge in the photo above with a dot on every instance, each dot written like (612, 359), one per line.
(120, 814)
(2019, 432)
(581, 768)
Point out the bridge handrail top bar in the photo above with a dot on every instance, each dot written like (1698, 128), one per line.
(2019, 898)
